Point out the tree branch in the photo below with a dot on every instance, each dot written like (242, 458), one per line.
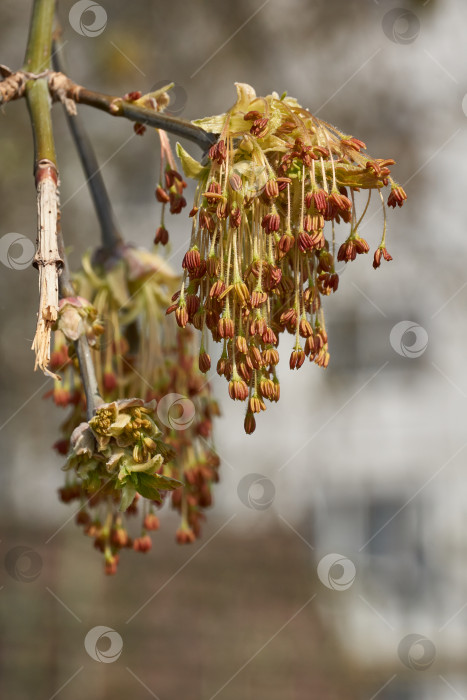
(50, 256)
(88, 377)
(110, 234)
(12, 85)
(61, 87)
(64, 89)
(47, 258)
(86, 365)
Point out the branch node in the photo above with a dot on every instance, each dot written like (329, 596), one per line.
(12, 86)
(60, 87)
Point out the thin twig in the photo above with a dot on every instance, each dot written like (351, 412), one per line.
(63, 88)
(86, 365)
(12, 85)
(88, 376)
(110, 234)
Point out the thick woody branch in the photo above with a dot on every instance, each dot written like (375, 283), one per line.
(47, 259)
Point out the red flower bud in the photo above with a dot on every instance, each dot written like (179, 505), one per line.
(162, 236)
(151, 522)
(161, 195)
(250, 423)
(142, 544)
(204, 362)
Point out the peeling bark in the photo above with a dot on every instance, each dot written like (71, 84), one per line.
(47, 260)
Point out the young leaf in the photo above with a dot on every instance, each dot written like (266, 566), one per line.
(190, 166)
(166, 483)
(149, 486)
(128, 495)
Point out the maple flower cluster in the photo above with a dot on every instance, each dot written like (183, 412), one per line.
(262, 252)
(120, 450)
(134, 451)
(262, 256)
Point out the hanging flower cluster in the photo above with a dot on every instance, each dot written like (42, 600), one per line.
(169, 191)
(134, 450)
(262, 252)
(262, 255)
(120, 450)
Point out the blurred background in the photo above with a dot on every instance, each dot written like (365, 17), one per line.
(338, 570)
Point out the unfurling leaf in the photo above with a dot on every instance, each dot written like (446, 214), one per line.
(191, 167)
(150, 486)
